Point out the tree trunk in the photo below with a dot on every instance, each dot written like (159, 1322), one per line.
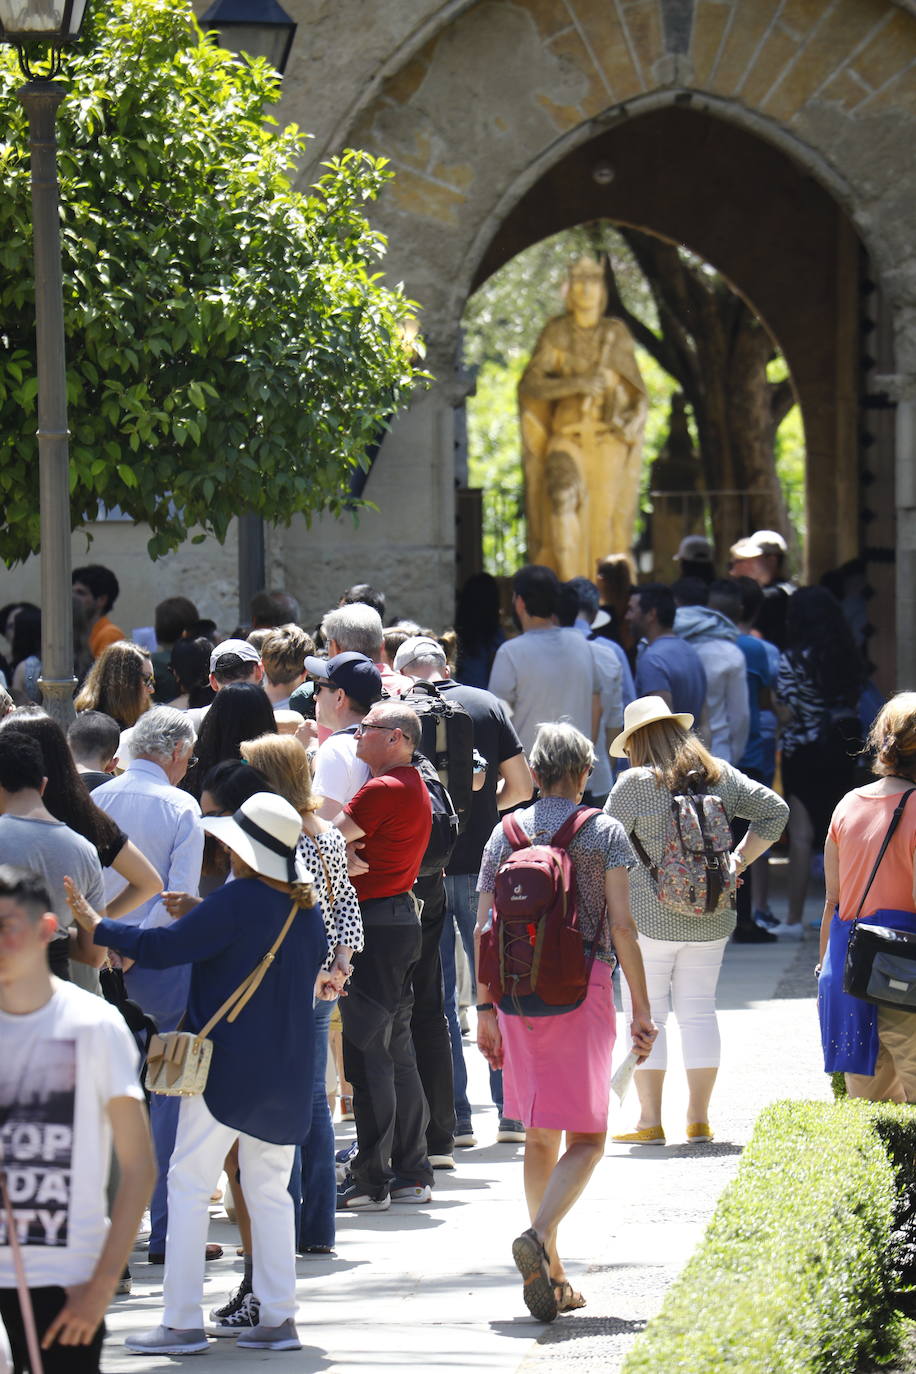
(716, 349)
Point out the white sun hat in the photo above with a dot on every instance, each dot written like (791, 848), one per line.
(264, 833)
(645, 711)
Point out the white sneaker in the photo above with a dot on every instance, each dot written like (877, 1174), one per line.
(412, 1192)
(789, 932)
(442, 1161)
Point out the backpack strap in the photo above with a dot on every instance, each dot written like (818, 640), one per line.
(642, 856)
(514, 833)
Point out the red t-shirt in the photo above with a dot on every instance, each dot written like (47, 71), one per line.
(396, 814)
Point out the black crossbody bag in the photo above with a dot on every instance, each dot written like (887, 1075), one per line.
(881, 960)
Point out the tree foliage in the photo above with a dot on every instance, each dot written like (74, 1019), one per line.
(229, 343)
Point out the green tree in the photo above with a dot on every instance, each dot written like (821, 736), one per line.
(229, 343)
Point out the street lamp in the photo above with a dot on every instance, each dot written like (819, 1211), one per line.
(51, 23)
(260, 28)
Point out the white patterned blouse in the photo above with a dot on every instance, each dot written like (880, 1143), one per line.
(339, 903)
(642, 806)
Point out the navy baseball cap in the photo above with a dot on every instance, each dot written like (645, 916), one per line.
(353, 673)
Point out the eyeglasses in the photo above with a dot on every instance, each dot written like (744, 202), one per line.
(149, 679)
(365, 725)
(325, 682)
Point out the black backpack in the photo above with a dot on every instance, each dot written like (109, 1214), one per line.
(444, 834)
(447, 740)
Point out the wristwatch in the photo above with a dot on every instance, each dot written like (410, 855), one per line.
(484, 1006)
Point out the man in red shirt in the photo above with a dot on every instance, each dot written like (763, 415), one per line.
(387, 824)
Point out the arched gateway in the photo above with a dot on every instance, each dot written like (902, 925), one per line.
(774, 137)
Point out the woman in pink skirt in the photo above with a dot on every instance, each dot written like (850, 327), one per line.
(557, 1069)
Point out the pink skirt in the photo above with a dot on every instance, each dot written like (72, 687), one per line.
(557, 1069)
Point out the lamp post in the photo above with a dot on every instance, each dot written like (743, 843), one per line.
(258, 28)
(25, 24)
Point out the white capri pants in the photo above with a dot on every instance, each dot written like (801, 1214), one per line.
(682, 975)
(201, 1145)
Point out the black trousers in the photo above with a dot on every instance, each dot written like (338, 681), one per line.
(428, 1024)
(389, 1107)
(59, 1359)
(743, 903)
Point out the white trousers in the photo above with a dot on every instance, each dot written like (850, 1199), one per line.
(201, 1145)
(682, 975)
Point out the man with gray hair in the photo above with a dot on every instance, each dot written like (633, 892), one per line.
(504, 782)
(164, 823)
(358, 629)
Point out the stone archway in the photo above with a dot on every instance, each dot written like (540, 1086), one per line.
(475, 103)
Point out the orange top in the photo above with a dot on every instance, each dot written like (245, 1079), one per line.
(858, 827)
(103, 633)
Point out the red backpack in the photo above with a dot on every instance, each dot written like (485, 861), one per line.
(532, 955)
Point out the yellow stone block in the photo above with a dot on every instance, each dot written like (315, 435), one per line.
(418, 195)
(710, 21)
(598, 96)
(824, 54)
(891, 49)
(405, 83)
(801, 16)
(550, 16)
(750, 21)
(644, 25)
(456, 174)
(565, 117)
(608, 43)
(768, 66)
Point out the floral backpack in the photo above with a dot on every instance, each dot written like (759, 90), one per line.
(694, 876)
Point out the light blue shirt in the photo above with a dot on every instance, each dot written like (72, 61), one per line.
(164, 823)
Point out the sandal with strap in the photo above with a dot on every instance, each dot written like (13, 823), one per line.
(532, 1263)
(568, 1300)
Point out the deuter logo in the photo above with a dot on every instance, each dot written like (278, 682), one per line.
(517, 894)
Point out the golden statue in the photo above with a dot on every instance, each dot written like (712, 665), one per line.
(582, 405)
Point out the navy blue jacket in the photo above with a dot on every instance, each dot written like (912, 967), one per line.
(261, 1074)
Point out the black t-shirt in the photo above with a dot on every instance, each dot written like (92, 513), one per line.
(496, 740)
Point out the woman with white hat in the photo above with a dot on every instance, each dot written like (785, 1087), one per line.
(259, 1086)
(682, 954)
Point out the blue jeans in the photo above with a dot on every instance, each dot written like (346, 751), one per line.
(461, 910)
(313, 1183)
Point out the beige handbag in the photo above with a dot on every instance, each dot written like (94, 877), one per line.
(177, 1062)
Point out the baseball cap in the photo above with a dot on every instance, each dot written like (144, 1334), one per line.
(240, 647)
(746, 548)
(770, 541)
(694, 549)
(353, 673)
(416, 646)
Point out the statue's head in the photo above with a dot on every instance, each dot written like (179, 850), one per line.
(586, 290)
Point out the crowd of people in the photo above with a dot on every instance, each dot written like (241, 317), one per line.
(285, 841)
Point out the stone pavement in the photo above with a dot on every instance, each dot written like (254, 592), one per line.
(435, 1288)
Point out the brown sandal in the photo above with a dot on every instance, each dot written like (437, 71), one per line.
(532, 1263)
(568, 1300)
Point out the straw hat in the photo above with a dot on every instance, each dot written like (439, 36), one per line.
(645, 711)
(264, 833)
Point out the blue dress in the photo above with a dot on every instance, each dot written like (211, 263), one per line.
(849, 1025)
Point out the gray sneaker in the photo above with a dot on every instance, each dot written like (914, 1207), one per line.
(169, 1340)
(509, 1130)
(283, 1337)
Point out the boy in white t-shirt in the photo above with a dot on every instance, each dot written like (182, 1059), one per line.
(68, 1088)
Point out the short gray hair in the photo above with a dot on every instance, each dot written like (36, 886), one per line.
(158, 731)
(356, 629)
(397, 716)
(560, 751)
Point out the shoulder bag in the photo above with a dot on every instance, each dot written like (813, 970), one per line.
(178, 1061)
(881, 960)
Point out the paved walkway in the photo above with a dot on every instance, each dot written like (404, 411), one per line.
(435, 1288)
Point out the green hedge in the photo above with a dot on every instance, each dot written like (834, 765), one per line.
(800, 1269)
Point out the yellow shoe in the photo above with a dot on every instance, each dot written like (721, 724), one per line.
(651, 1135)
(698, 1131)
